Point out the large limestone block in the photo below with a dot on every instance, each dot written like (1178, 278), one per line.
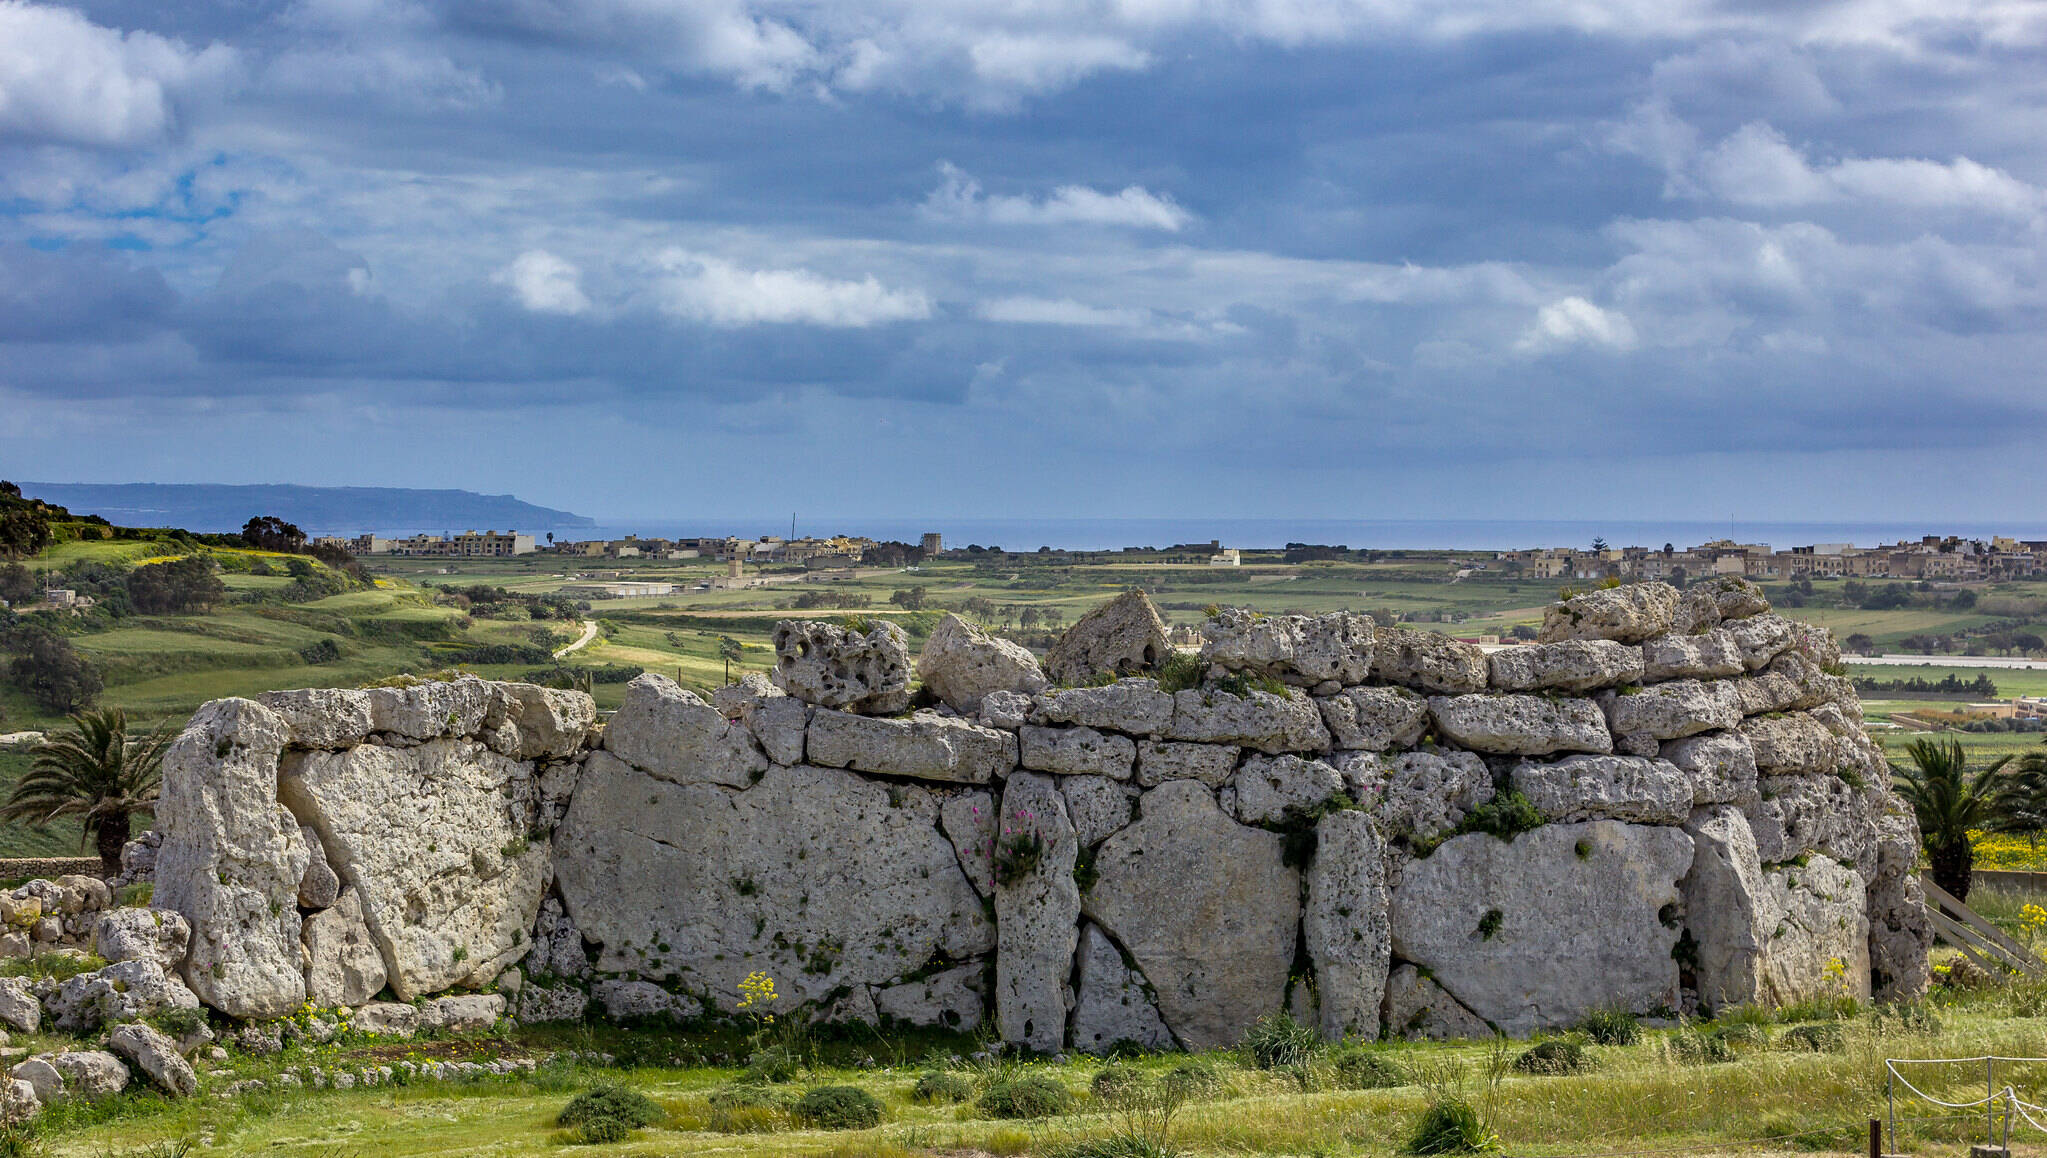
(19, 1009)
(1819, 921)
(231, 860)
(1124, 636)
(779, 723)
(1537, 933)
(950, 1000)
(1135, 706)
(969, 822)
(1628, 788)
(42, 1076)
(1796, 815)
(1707, 603)
(1375, 719)
(1763, 638)
(1721, 764)
(1161, 760)
(321, 884)
(961, 664)
(670, 732)
(1272, 789)
(91, 1073)
(1206, 907)
(1299, 649)
(1793, 683)
(1630, 613)
(1728, 910)
(1417, 1007)
(1344, 924)
(120, 992)
(1098, 807)
(431, 709)
(1418, 796)
(529, 722)
(468, 1013)
(1568, 665)
(1076, 752)
(1673, 710)
(437, 841)
(820, 877)
(159, 935)
(1035, 915)
(1900, 933)
(1814, 642)
(321, 717)
(1708, 655)
(157, 1057)
(1520, 725)
(17, 1102)
(926, 745)
(1791, 745)
(835, 667)
(343, 964)
(1113, 1007)
(1261, 720)
(1429, 661)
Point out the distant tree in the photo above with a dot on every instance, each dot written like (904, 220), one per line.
(177, 587)
(51, 672)
(550, 536)
(1052, 616)
(2026, 641)
(1668, 550)
(1598, 544)
(909, 598)
(979, 606)
(1963, 598)
(9, 490)
(16, 583)
(23, 532)
(1030, 618)
(1860, 644)
(731, 651)
(301, 569)
(1923, 644)
(270, 533)
(1950, 802)
(95, 772)
(1524, 631)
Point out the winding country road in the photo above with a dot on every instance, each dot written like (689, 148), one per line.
(589, 633)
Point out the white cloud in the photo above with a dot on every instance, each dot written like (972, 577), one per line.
(65, 78)
(1574, 321)
(709, 289)
(1058, 312)
(545, 283)
(1757, 166)
(959, 198)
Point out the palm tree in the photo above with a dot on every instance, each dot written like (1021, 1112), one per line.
(1949, 803)
(2023, 797)
(95, 772)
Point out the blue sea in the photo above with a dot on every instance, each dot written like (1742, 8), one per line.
(1376, 534)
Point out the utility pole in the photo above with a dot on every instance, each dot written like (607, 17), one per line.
(792, 526)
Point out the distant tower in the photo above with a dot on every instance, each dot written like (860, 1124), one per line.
(934, 543)
(733, 567)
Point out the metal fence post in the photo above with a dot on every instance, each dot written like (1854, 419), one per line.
(1990, 1101)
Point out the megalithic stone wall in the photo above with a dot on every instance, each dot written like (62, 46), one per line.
(1667, 803)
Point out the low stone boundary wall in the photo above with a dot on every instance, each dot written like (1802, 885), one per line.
(51, 867)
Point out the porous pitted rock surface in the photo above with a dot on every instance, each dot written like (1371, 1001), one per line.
(1124, 636)
(1727, 909)
(961, 664)
(834, 667)
(90, 1073)
(1820, 920)
(1304, 650)
(1098, 807)
(156, 1056)
(1627, 614)
(1076, 752)
(1135, 706)
(343, 964)
(670, 732)
(1537, 933)
(1259, 719)
(1429, 662)
(321, 717)
(321, 884)
(926, 745)
(436, 840)
(159, 935)
(1567, 665)
(951, 999)
(1375, 719)
(1111, 1005)
(1218, 953)
(1417, 1007)
(1344, 924)
(1037, 905)
(1520, 725)
(19, 1009)
(1629, 788)
(1271, 789)
(1671, 711)
(1161, 760)
(1417, 795)
(1721, 764)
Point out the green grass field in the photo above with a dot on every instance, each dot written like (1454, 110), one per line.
(18, 839)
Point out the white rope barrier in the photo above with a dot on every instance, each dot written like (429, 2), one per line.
(1993, 1098)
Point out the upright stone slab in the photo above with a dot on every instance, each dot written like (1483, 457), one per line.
(1112, 1007)
(1344, 924)
(1035, 913)
(1819, 946)
(344, 966)
(1124, 636)
(671, 733)
(1727, 910)
(961, 664)
(231, 860)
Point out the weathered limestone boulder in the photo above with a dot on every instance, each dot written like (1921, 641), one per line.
(156, 1056)
(961, 663)
(835, 667)
(1261, 720)
(1630, 613)
(1077, 752)
(158, 935)
(1537, 933)
(820, 877)
(1721, 764)
(1791, 745)
(1520, 725)
(1344, 924)
(632, 1000)
(1036, 906)
(20, 1011)
(1124, 636)
(468, 1013)
(431, 709)
(42, 1076)
(1135, 706)
(529, 722)
(1375, 719)
(1270, 789)
(1763, 638)
(1706, 603)
(1727, 906)
(1628, 788)
(740, 697)
(1218, 955)
(436, 841)
(780, 724)
(320, 884)
(1417, 1007)
(1819, 920)
(1708, 655)
(1098, 807)
(89, 1073)
(1568, 665)
(387, 1019)
(951, 999)
(969, 821)
(1112, 1007)
(1429, 661)
(1900, 933)
(927, 746)
(1161, 760)
(558, 949)
(321, 717)
(119, 992)
(1006, 710)
(343, 965)
(17, 1102)
(231, 859)
(542, 1004)
(1673, 710)
(1793, 683)
(669, 732)
(1416, 795)
(1814, 642)
(1796, 815)
(1298, 649)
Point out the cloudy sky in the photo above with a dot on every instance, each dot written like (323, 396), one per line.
(1321, 258)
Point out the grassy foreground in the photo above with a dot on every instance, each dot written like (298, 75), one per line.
(1764, 1089)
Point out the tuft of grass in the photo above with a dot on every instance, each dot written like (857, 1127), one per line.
(1279, 1042)
(1450, 1125)
(1554, 1058)
(1182, 671)
(1611, 1025)
(940, 1086)
(1353, 1066)
(1818, 1037)
(1024, 1096)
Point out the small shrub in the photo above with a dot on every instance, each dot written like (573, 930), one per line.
(773, 1064)
(1008, 1143)
(1690, 1047)
(1906, 1017)
(1612, 1025)
(1017, 855)
(1505, 816)
(1355, 1067)
(1024, 1096)
(18, 1140)
(1280, 1042)
(746, 1108)
(1194, 1079)
(838, 1108)
(1554, 1058)
(1822, 1037)
(940, 1086)
(608, 1113)
(1181, 672)
(1742, 1037)
(1113, 1082)
(1450, 1126)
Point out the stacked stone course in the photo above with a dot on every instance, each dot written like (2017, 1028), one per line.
(1099, 861)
